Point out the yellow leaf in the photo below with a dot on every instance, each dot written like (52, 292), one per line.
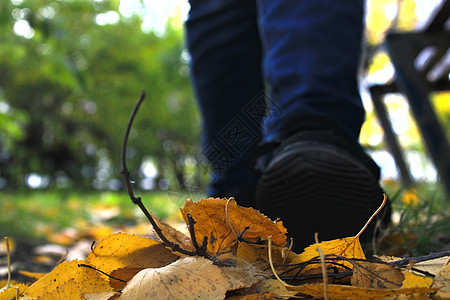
(211, 220)
(353, 292)
(376, 275)
(125, 250)
(413, 280)
(86, 279)
(67, 291)
(187, 278)
(12, 291)
(33, 275)
(348, 247)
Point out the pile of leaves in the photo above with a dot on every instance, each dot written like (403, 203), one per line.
(242, 255)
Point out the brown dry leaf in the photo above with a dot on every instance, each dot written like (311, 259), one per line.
(211, 221)
(376, 275)
(124, 274)
(126, 250)
(33, 275)
(274, 286)
(353, 292)
(102, 296)
(187, 278)
(348, 247)
(263, 296)
(243, 276)
(412, 280)
(258, 256)
(67, 291)
(173, 235)
(432, 266)
(442, 279)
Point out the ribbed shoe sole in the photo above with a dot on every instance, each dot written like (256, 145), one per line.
(318, 188)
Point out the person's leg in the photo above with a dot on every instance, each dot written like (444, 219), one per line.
(226, 51)
(319, 179)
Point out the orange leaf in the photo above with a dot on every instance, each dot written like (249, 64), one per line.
(174, 235)
(125, 250)
(211, 221)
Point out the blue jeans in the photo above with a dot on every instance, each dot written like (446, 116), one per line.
(263, 70)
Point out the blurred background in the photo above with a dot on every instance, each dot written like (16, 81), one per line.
(70, 74)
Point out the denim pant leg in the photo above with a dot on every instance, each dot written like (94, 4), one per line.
(311, 56)
(226, 54)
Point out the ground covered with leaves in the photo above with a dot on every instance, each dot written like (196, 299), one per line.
(231, 252)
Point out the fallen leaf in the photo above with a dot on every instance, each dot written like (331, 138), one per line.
(121, 250)
(102, 296)
(258, 256)
(262, 296)
(211, 221)
(274, 286)
(33, 275)
(67, 291)
(349, 247)
(173, 235)
(124, 274)
(353, 292)
(11, 292)
(376, 275)
(243, 276)
(187, 278)
(442, 280)
(87, 280)
(412, 280)
(432, 266)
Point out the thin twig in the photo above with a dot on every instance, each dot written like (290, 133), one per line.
(137, 200)
(405, 261)
(324, 271)
(8, 257)
(201, 250)
(100, 271)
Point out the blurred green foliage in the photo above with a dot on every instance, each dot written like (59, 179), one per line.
(68, 86)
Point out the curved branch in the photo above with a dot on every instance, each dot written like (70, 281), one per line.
(138, 200)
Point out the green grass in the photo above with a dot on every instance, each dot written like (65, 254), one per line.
(31, 215)
(421, 219)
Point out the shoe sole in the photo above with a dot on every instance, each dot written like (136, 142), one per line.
(318, 188)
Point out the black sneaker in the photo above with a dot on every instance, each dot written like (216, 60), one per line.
(317, 182)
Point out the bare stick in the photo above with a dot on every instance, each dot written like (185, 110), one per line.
(201, 250)
(100, 271)
(8, 257)
(137, 200)
(324, 272)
